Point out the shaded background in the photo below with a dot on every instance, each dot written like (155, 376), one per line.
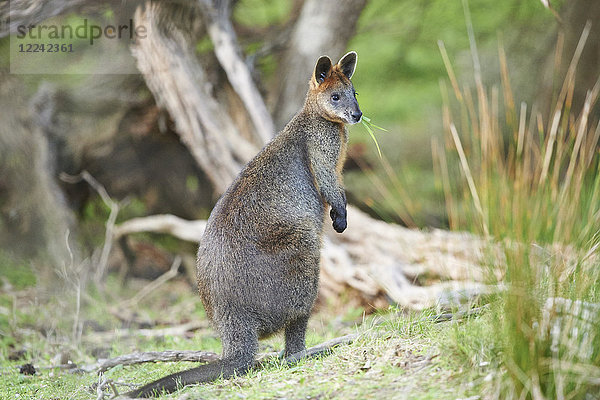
(137, 139)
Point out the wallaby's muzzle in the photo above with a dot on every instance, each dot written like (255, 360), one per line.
(356, 116)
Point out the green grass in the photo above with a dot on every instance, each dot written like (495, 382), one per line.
(398, 355)
(14, 275)
(17, 273)
(532, 188)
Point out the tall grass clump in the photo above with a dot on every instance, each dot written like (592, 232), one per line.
(530, 184)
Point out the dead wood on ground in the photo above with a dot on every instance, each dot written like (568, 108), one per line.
(379, 262)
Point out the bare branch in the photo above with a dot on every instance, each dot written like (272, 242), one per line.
(167, 60)
(324, 348)
(190, 231)
(155, 284)
(110, 223)
(158, 356)
(217, 16)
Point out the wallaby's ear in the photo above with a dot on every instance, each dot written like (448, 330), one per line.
(347, 64)
(322, 69)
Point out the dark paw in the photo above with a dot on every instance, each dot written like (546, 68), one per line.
(339, 219)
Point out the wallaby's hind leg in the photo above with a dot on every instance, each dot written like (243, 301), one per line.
(240, 344)
(294, 336)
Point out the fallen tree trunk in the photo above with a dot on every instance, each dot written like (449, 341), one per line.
(377, 261)
(382, 263)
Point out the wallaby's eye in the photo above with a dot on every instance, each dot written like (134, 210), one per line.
(335, 97)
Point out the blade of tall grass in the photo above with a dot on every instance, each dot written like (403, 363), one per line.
(465, 166)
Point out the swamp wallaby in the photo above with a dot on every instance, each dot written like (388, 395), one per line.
(258, 261)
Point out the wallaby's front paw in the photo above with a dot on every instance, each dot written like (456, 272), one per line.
(339, 219)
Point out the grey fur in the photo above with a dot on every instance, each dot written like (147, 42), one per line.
(258, 261)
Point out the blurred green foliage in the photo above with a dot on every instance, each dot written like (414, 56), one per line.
(17, 273)
(262, 13)
(399, 61)
(398, 78)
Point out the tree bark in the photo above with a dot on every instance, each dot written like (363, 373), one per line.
(14, 13)
(34, 217)
(179, 83)
(217, 17)
(323, 28)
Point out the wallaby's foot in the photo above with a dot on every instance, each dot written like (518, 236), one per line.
(294, 336)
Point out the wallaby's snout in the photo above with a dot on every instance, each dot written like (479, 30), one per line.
(356, 115)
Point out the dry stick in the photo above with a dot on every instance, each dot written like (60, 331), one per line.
(458, 315)
(102, 384)
(73, 277)
(110, 223)
(155, 284)
(323, 348)
(190, 231)
(158, 356)
(103, 262)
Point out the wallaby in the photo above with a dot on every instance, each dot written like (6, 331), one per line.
(258, 261)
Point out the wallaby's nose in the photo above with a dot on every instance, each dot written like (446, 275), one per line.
(356, 115)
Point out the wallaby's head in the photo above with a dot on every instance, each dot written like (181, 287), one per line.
(333, 90)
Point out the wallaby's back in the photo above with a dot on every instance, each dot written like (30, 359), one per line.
(260, 252)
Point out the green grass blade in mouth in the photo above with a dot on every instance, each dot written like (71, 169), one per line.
(369, 127)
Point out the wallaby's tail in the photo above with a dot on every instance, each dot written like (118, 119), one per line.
(204, 373)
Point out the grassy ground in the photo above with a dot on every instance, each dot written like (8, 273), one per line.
(398, 355)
